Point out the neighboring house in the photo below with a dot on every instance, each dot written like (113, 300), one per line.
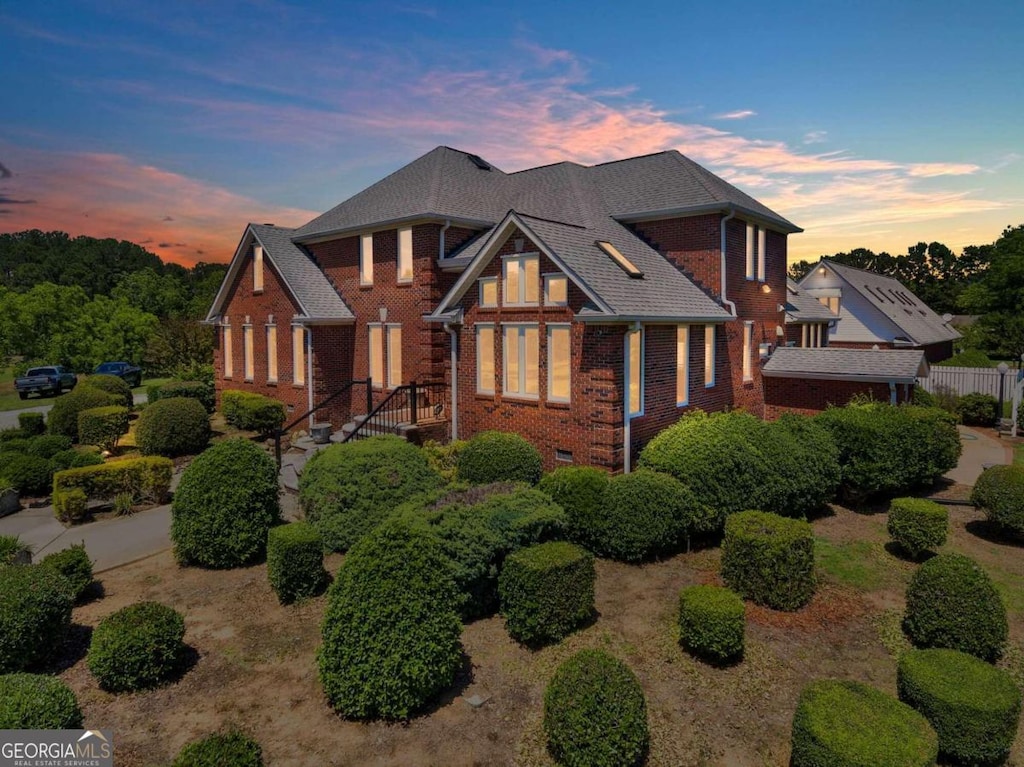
(807, 319)
(877, 311)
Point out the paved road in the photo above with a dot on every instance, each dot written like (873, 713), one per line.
(9, 418)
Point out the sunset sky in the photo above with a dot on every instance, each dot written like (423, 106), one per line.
(172, 124)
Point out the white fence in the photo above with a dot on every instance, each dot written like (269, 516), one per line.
(969, 381)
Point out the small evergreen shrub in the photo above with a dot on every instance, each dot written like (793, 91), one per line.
(444, 459)
(952, 603)
(74, 564)
(35, 612)
(579, 490)
(595, 714)
(112, 385)
(28, 474)
(390, 632)
(10, 435)
(11, 549)
(252, 412)
(295, 561)
(198, 390)
(147, 479)
(712, 623)
(75, 459)
(230, 749)
(37, 702)
(70, 506)
(769, 559)
(173, 427)
(48, 445)
(977, 409)
(497, 456)
(849, 724)
(137, 647)
(63, 417)
(999, 492)
(546, 591)
(347, 490)
(32, 424)
(225, 505)
(973, 706)
(102, 426)
(969, 358)
(923, 398)
(918, 525)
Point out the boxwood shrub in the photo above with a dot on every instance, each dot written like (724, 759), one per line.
(112, 385)
(48, 445)
(546, 591)
(973, 706)
(712, 623)
(224, 506)
(251, 412)
(999, 492)
(390, 631)
(35, 612)
(918, 525)
(977, 409)
(137, 647)
(849, 724)
(28, 474)
(229, 749)
(32, 423)
(173, 427)
(70, 506)
(199, 390)
(295, 561)
(952, 603)
(74, 564)
(102, 426)
(497, 456)
(147, 479)
(595, 714)
(347, 490)
(75, 459)
(579, 490)
(769, 559)
(37, 702)
(63, 417)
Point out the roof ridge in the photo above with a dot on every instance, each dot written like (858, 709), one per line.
(679, 157)
(548, 165)
(628, 159)
(548, 220)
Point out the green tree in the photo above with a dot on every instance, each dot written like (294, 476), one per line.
(999, 295)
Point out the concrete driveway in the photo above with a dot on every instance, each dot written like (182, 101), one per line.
(9, 418)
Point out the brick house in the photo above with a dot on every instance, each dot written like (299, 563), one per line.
(808, 320)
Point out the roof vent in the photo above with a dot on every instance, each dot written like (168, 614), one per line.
(627, 266)
(479, 161)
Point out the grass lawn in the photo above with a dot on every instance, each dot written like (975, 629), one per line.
(1018, 454)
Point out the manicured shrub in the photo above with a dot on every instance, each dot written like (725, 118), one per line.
(198, 390)
(48, 445)
(999, 492)
(230, 749)
(11, 549)
(37, 702)
(172, 427)
(28, 474)
(444, 459)
(712, 623)
(252, 412)
(805, 471)
(17, 446)
(923, 398)
(973, 706)
(496, 456)
(952, 603)
(76, 567)
(147, 479)
(70, 506)
(977, 409)
(137, 647)
(390, 632)
(849, 724)
(918, 525)
(295, 561)
(75, 459)
(35, 612)
(595, 714)
(112, 385)
(225, 505)
(940, 446)
(63, 418)
(579, 490)
(347, 490)
(9, 435)
(523, 516)
(102, 426)
(32, 424)
(546, 591)
(969, 358)
(769, 559)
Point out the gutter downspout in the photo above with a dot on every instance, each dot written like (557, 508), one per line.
(450, 330)
(726, 301)
(440, 244)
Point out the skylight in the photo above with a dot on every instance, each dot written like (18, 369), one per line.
(479, 162)
(627, 266)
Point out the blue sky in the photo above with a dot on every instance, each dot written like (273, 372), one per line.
(173, 124)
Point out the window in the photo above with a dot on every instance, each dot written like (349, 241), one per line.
(366, 259)
(485, 359)
(522, 277)
(405, 254)
(748, 343)
(762, 253)
(635, 372)
(559, 356)
(257, 268)
(247, 350)
(624, 263)
(376, 355)
(832, 302)
(757, 251)
(229, 361)
(489, 292)
(751, 261)
(556, 290)
(682, 365)
(271, 353)
(709, 355)
(298, 355)
(521, 358)
(394, 356)
(823, 334)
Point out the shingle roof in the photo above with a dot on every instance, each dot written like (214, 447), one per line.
(898, 365)
(801, 307)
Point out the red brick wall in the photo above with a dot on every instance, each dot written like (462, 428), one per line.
(808, 396)
(692, 243)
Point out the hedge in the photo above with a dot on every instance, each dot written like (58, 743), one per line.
(579, 490)
(10, 435)
(231, 749)
(252, 412)
(595, 714)
(35, 613)
(173, 427)
(347, 490)
(102, 426)
(48, 445)
(37, 702)
(495, 456)
(32, 423)
(849, 724)
(769, 559)
(546, 591)
(390, 631)
(63, 417)
(977, 409)
(75, 459)
(712, 623)
(74, 565)
(295, 561)
(112, 385)
(137, 647)
(71, 506)
(147, 479)
(28, 474)
(918, 525)
(197, 390)
(225, 505)
(999, 492)
(952, 603)
(973, 706)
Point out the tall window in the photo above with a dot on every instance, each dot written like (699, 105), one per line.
(298, 355)
(247, 351)
(257, 268)
(556, 290)
(709, 355)
(366, 259)
(521, 358)
(762, 254)
(635, 371)
(682, 365)
(559, 375)
(748, 343)
(405, 254)
(376, 355)
(522, 280)
(394, 356)
(756, 252)
(271, 353)
(751, 258)
(488, 292)
(485, 358)
(229, 355)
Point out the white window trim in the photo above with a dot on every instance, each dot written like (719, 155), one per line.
(480, 286)
(248, 352)
(550, 327)
(709, 356)
(388, 351)
(404, 234)
(629, 372)
(366, 260)
(751, 264)
(370, 326)
(547, 280)
(748, 351)
(257, 269)
(683, 365)
(476, 335)
(521, 328)
(272, 355)
(298, 355)
(228, 348)
(522, 257)
(762, 253)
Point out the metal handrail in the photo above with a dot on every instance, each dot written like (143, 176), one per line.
(412, 393)
(285, 429)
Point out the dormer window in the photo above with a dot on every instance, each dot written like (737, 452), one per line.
(257, 269)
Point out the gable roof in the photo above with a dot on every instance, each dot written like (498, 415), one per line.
(831, 363)
(802, 307)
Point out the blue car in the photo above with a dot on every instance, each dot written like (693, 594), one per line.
(130, 374)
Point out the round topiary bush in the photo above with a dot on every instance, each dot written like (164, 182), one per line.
(63, 417)
(952, 603)
(999, 492)
(112, 385)
(390, 632)
(225, 504)
(347, 490)
(595, 714)
(295, 561)
(35, 612)
(973, 706)
(977, 409)
(138, 647)
(28, 474)
(37, 702)
(848, 724)
(172, 427)
(496, 456)
(712, 622)
(74, 564)
(918, 525)
(769, 559)
(48, 445)
(579, 490)
(32, 423)
(231, 749)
